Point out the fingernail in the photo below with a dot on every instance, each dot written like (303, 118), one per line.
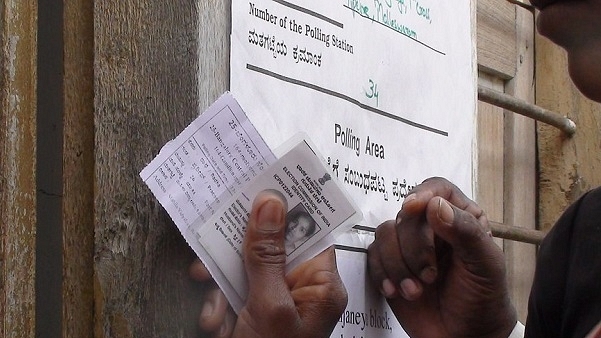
(270, 215)
(388, 288)
(207, 310)
(409, 288)
(409, 198)
(223, 330)
(428, 274)
(445, 212)
(399, 219)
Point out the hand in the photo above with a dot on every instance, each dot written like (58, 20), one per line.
(306, 303)
(439, 268)
(216, 316)
(595, 332)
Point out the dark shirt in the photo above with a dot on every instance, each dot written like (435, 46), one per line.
(565, 300)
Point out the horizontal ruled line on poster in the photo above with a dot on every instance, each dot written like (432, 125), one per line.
(395, 27)
(350, 248)
(346, 98)
(309, 12)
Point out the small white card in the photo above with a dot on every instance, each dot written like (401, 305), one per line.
(318, 208)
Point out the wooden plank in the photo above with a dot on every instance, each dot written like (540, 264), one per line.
(489, 165)
(507, 166)
(49, 158)
(496, 38)
(520, 161)
(78, 170)
(568, 166)
(156, 64)
(18, 36)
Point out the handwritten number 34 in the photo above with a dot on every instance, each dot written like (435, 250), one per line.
(372, 93)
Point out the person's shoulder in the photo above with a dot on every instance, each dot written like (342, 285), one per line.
(568, 270)
(594, 194)
(578, 215)
(590, 202)
(584, 211)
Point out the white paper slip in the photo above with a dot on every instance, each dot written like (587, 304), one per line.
(318, 208)
(207, 163)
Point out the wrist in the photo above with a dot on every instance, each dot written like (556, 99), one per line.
(494, 318)
(506, 321)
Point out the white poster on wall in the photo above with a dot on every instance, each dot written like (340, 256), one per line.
(386, 89)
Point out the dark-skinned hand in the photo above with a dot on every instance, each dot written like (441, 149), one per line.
(439, 268)
(305, 303)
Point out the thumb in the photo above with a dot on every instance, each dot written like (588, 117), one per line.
(264, 249)
(468, 236)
